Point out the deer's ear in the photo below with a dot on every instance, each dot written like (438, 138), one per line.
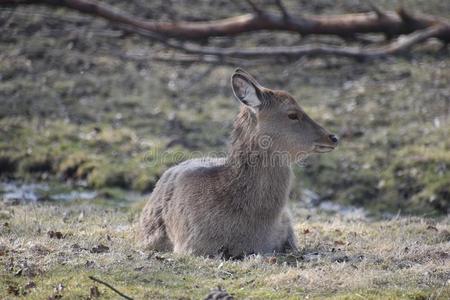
(245, 90)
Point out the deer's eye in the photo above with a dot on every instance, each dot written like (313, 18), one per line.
(293, 116)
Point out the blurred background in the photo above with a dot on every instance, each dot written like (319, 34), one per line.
(86, 109)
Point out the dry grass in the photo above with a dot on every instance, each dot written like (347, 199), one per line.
(341, 258)
(72, 107)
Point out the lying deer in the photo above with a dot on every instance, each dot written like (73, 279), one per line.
(237, 205)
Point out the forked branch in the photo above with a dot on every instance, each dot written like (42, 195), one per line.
(255, 8)
(417, 29)
(399, 46)
(341, 25)
(282, 9)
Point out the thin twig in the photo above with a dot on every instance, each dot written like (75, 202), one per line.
(111, 287)
(380, 13)
(282, 9)
(255, 8)
(7, 20)
(405, 15)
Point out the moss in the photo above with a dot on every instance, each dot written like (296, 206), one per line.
(86, 168)
(144, 182)
(108, 176)
(72, 166)
(76, 113)
(40, 163)
(419, 176)
(111, 193)
(64, 87)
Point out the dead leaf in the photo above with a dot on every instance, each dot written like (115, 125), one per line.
(272, 260)
(13, 290)
(341, 259)
(160, 258)
(431, 227)
(55, 235)
(94, 292)
(100, 249)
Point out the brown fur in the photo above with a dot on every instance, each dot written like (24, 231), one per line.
(236, 205)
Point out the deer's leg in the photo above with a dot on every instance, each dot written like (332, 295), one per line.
(290, 244)
(153, 230)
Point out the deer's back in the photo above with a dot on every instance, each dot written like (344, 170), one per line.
(192, 184)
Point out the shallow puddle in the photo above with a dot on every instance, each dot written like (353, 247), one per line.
(33, 192)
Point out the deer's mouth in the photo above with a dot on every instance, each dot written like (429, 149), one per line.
(318, 148)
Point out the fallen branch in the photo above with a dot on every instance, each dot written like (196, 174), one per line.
(417, 28)
(111, 287)
(282, 9)
(401, 45)
(344, 25)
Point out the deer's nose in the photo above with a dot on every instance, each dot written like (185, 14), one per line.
(333, 138)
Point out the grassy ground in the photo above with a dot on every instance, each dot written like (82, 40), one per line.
(341, 257)
(83, 104)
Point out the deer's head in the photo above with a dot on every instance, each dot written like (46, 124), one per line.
(280, 119)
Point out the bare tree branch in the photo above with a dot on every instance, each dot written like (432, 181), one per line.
(418, 27)
(255, 8)
(282, 9)
(344, 25)
(111, 287)
(401, 45)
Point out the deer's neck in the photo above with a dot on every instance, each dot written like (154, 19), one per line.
(259, 177)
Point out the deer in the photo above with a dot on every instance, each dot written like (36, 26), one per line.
(237, 205)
